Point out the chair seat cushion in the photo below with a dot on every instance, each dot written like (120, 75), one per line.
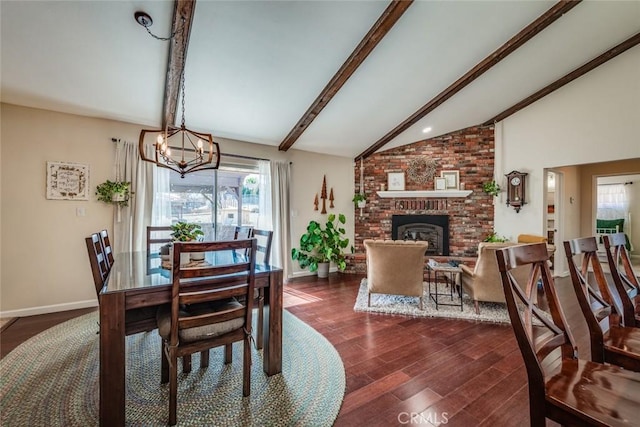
(200, 332)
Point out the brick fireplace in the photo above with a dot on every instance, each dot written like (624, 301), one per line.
(470, 219)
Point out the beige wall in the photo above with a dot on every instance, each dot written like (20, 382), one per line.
(44, 265)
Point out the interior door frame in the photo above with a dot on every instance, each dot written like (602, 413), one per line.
(561, 268)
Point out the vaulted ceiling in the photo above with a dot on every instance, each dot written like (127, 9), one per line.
(255, 70)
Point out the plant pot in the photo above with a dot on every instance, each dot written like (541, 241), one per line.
(323, 270)
(118, 197)
(197, 256)
(362, 204)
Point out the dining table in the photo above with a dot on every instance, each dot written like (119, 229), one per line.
(138, 282)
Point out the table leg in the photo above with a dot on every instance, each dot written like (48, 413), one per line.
(272, 326)
(112, 359)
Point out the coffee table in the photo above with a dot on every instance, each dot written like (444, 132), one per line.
(449, 274)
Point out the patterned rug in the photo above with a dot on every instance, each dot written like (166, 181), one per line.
(52, 379)
(408, 306)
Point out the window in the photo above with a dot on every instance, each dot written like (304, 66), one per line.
(218, 200)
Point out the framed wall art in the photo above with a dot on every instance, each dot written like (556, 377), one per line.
(440, 184)
(452, 179)
(395, 181)
(67, 181)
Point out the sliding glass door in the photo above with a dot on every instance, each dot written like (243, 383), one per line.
(218, 200)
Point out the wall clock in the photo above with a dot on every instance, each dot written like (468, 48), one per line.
(516, 189)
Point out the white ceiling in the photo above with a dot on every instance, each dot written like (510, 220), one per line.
(254, 67)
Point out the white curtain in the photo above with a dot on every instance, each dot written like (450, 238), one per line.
(613, 201)
(161, 210)
(281, 246)
(265, 221)
(130, 222)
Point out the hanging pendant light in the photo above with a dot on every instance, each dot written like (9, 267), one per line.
(178, 148)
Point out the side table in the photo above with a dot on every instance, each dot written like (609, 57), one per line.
(448, 274)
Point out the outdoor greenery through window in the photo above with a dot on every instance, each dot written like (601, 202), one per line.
(218, 200)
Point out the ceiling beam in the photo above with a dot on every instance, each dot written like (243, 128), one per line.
(387, 20)
(183, 9)
(502, 52)
(578, 72)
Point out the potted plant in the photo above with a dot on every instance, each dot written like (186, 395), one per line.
(188, 232)
(116, 192)
(359, 200)
(494, 238)
(319, 246)
(491, 188)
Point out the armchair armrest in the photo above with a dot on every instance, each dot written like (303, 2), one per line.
(466, 270)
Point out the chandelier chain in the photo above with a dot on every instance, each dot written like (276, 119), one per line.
(184, 65)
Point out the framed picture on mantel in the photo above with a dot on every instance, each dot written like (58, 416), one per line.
(452, 179)
(395, 181)
(440, 184)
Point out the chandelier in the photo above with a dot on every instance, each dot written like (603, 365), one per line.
(178, 148)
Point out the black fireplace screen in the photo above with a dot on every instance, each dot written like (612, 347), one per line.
(431, 228)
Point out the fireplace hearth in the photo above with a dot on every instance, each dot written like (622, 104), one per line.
(431, 228)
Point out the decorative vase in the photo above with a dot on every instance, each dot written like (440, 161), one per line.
(323, 270)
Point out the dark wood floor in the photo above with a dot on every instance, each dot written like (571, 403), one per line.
(398, 367)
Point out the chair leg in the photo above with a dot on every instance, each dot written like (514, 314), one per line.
(246, 368)
(173, 387)
(260, 318)
(477, 306)
(228, 353)
(164, 365)
(204, 359)
(186, 364)
(369, 299)
(420, 303)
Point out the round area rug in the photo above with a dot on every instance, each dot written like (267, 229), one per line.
(52, 380)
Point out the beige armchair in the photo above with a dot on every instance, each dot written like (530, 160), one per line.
(395, 267)
(483, 283)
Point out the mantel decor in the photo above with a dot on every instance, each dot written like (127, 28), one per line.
(395, 181)
(421, 170)
(67, 181)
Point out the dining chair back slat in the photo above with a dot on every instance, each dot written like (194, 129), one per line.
(97, 260)
(264, 238)
(263, 255)
(157, 236)
(106, 247)
(624, 278)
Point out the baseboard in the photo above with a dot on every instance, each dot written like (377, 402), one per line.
(49, 309)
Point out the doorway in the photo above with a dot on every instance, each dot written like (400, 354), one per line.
(553, 219)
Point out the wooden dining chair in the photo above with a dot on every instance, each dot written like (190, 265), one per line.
(211, 306)
(137, 320)
(624, 278)
(263, 255)
(106, 247)
(157, 235)
(563, 388)
(610, 342)
(98, 262)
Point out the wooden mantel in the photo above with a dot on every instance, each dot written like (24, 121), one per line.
(440, 194)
